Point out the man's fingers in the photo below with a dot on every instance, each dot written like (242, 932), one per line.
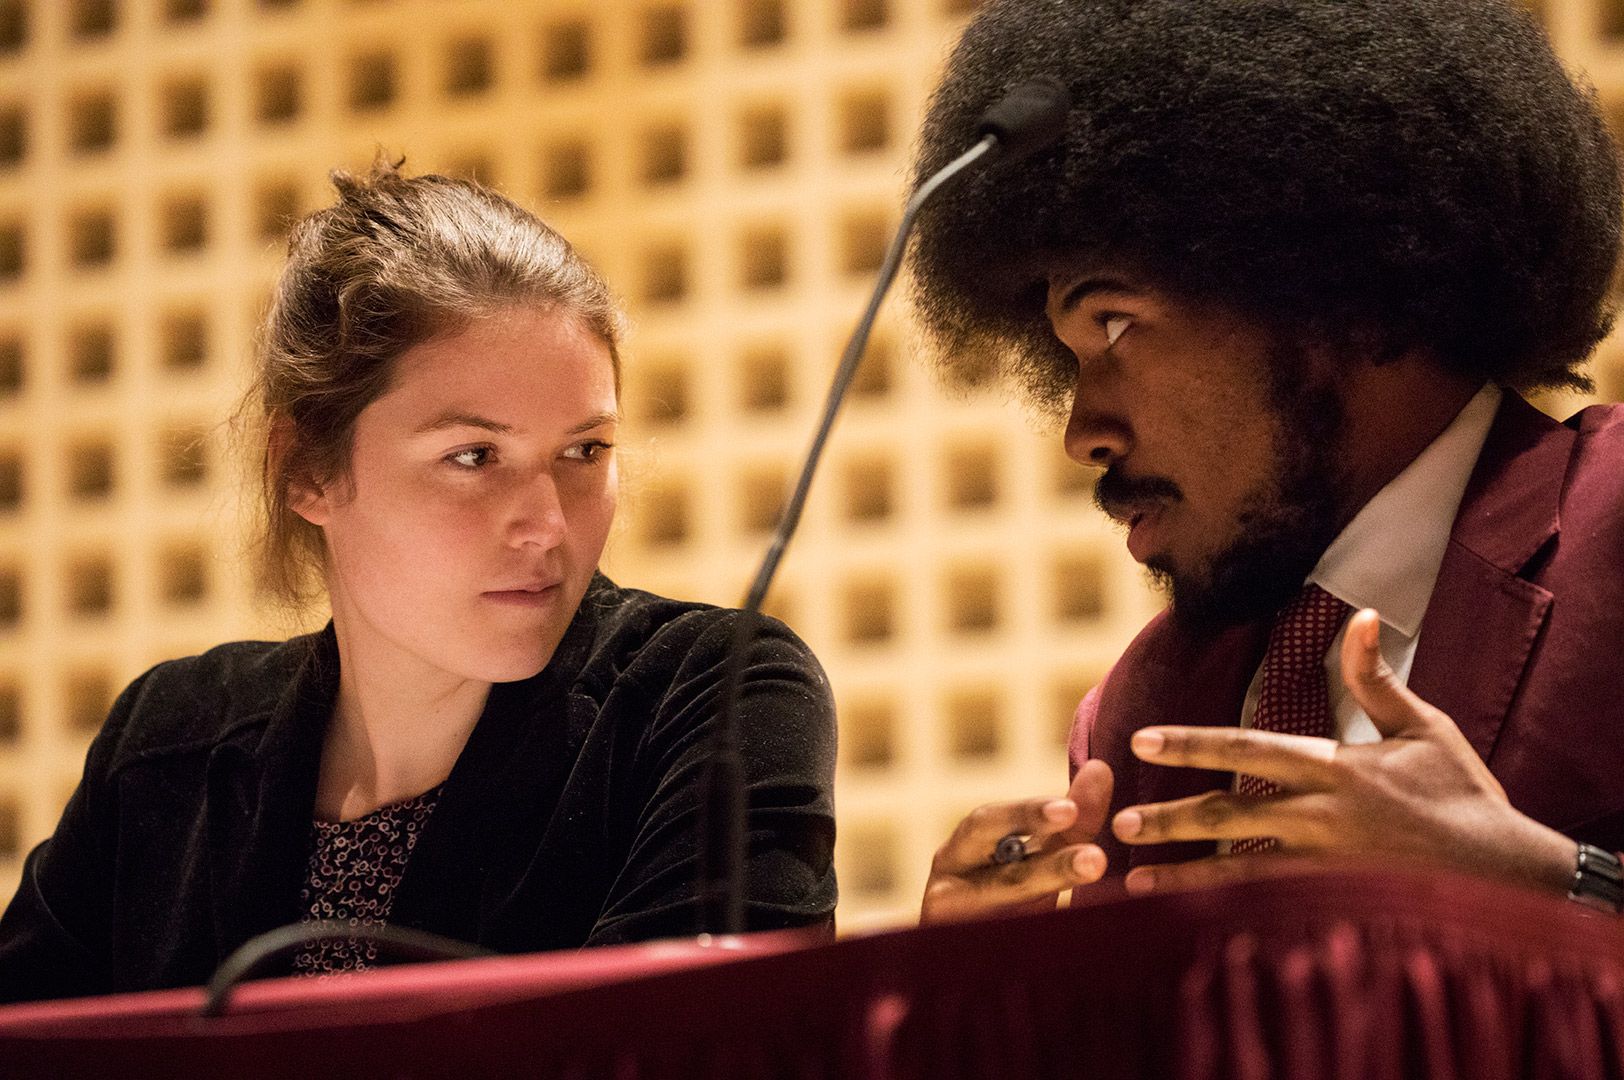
(1391, 706)
(1295, 762)
(1091, 792)
(1220, 815)
(1395, 709)
(1198, 873)
(972, 843)
(1001, 889)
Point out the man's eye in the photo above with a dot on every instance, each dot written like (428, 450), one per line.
(1115, 325)
(473, 458)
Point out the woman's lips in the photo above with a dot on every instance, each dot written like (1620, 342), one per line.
(539, 597)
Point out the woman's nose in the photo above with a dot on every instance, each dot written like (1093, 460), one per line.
(538, 513)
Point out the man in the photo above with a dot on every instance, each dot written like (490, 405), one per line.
(1292, 264)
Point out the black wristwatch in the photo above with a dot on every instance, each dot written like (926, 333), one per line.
(1598, 880)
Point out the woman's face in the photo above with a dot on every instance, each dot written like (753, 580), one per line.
(481, 489)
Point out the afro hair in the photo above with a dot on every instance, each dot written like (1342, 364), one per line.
(1402, 173)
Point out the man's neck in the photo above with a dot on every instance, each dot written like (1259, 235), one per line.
(1393, 411)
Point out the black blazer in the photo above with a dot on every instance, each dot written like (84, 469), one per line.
(569, 819)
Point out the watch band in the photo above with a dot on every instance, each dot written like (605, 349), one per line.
(1598, 879)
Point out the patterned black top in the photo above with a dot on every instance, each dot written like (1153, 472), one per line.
(354, 869)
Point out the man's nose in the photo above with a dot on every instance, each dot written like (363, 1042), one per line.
(1095, 433)
(1094, 436)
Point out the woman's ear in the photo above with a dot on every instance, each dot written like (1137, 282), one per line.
(309, 502)
(305, 497)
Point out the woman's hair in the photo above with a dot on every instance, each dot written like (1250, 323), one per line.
(1383, 174)
(396, 262)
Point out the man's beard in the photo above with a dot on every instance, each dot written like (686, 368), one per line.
(1281, 534)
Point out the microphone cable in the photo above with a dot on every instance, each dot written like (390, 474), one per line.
(395, 943)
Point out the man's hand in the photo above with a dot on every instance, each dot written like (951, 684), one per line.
(1421, 792)
(964, 881)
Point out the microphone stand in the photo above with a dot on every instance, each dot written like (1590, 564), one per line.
(1027, 119)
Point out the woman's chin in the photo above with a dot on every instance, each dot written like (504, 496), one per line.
(511, 662)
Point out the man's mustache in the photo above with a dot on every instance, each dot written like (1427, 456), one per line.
(1119, 495)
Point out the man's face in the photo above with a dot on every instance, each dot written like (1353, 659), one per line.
(1218, 443)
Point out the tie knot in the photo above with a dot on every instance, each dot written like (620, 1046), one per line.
(1308, 624)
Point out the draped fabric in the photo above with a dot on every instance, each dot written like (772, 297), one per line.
(1327, 976)
(1331, 977)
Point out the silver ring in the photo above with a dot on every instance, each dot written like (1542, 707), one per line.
(1010, 849)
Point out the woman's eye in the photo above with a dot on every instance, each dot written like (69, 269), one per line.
(1115, 325)
(473, 458)
(589, 451)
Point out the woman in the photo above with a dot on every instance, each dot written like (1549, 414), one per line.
(490, 740)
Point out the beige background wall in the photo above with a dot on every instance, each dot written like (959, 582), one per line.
(734, 166)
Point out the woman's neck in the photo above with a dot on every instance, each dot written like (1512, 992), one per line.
(396, 731)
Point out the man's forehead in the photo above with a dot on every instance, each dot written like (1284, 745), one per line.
(1069, 282)
(1119, 273)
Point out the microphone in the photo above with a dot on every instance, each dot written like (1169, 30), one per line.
(1027, 119)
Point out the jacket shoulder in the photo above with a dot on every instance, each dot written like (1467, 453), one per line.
(197, 701)
(1592, 500)
(640, 633)
(1604, 420)
(1158, 645)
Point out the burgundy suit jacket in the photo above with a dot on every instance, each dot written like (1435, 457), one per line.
(1522, 642)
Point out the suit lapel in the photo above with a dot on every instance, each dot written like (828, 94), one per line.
(1483, 618)
(1200, 682)
(261, 791)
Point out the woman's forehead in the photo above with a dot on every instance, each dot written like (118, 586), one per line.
(527, 364)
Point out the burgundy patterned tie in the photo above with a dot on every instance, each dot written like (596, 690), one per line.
(1294, 697)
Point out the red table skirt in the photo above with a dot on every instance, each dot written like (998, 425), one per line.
(1338, 976)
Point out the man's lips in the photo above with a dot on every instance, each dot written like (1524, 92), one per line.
(1145, 531)
(1141, 503)
(1129, 511)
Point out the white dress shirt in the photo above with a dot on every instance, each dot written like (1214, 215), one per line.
(1388, 557)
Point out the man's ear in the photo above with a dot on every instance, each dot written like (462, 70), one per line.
(305, 497)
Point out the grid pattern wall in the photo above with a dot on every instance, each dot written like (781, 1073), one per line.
(734, 167)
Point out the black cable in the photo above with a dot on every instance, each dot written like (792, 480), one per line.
(395, 943)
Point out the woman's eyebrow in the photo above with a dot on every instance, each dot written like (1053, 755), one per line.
(463, 419)
(595, 422)
(474, 420)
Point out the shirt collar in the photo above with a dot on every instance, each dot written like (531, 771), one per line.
(1389, 554)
